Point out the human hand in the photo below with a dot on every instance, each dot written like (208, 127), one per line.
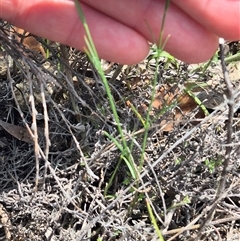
(121, 29)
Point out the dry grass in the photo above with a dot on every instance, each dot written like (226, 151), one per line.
(54, 187)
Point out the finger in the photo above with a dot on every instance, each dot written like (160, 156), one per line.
(58, 21)
(186, 38)
(221, 17)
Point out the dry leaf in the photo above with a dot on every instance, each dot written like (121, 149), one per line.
(166, 96)
(19, 132)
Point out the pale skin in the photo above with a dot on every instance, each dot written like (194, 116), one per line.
(122, 29)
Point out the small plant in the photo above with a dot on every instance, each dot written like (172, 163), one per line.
(212, 164)
(121, 141)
